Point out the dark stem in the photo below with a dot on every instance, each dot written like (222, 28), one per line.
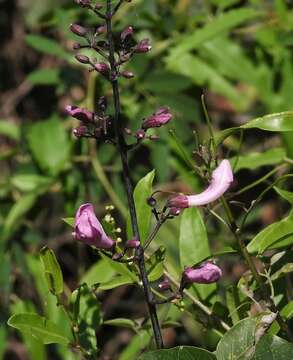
(122, 148)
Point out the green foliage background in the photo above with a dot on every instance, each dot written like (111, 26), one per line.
(239, 54)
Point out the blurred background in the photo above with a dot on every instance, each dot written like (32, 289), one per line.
(238, 53)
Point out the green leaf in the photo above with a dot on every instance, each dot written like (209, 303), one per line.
(39, 327)
(218, 25)
(9, 129)
(52, 270)
(285, 269)
(121, 322)
(30, 182)
(137, 343)
(273, 122)
(87, 315)
(142, 192)
(161, 81)
(255, 160)
(69, 221)
(15, 215)
(273, 348)
(193, 243)
(287, 195)
(237, 342)
(44, 77)
(46, 46)
(49, 144)
(155, 264)
(179, 353)
(276, 235)
(101, 273)
(117, 281)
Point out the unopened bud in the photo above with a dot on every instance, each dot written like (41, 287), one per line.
(78, 30)
(161, 117)
(82, 59)
(174, 211)
(80, 131)
(127, 74)
(143, 46)
(140, 134)
(101, 29)
(126, 32)
(76, 46)
(164, 285)
(84, 3)
(206, 273)
(117, 256)
(102, 68)
(98, 6)
(132, 244)
(152, 201)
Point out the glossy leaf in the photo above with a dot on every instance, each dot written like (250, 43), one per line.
(50, 145)
(255, 160)
(180, 352)
(39, 327)
(276, 235)
(279, 122)
(142, 192)
(273, 348)
(52, 270)
(285, 194)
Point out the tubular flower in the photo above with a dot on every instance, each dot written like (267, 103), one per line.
(222, 178)
(80, 114)
(161, 117)
(89, 230)
(206, 273)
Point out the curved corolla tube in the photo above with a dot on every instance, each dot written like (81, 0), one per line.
(222, 178)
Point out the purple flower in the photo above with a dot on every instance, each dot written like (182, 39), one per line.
(126, 32)
(80, 114)
(78, 30)
(102, 68)
(132, 244)
(161, 117)
(222, 178)
(80, 131)
(83, 59)
(206, 273)
(89, 230)
(164, 285)
(143, 46)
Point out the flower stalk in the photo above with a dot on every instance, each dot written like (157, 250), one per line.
(123, 150)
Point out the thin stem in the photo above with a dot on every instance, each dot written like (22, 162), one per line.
(122, 148)
(263, 290)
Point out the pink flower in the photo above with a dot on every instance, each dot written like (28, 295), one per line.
(126, 32)
(80, 114)
(143, 46)
(206, 273)
(132, 244)
(102, 68)
(161, 117)
(222, 178)
(89, 230)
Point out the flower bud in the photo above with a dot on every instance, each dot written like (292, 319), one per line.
(78, 30)
(222, 178)
(206, 273)
(143, 46)
(151, 201)
(89, 230)
(80, 131)
(101, 29)
(126, 32)
(132, 244)
(127, 74)
(102, 68)
(174, 211)
(76, 46)
(164, 285)
(140, 134)
(82, 59)
(80, 114)
(83, 3)
(98, 6)
(161, 117)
